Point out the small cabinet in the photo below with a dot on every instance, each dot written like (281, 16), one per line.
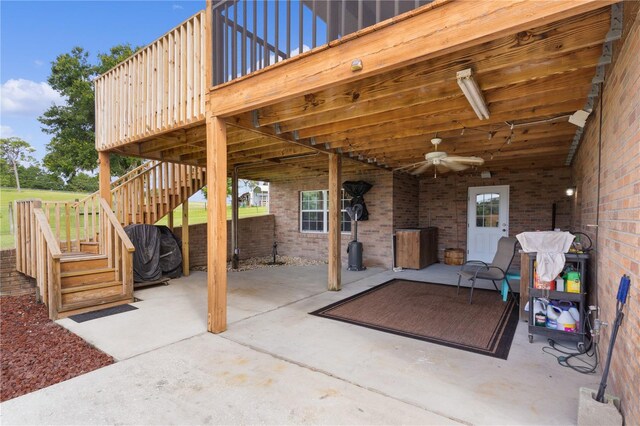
(416, 248)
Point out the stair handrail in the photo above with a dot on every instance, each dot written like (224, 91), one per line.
(125, 177)
(47, 263)
(47, 233)
(113, 220)
(115, 188)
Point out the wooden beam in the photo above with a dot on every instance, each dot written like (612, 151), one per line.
(438, 29)
(185, 237)
(170, 220)
(217, 224)
(104, 179)
(335, 263)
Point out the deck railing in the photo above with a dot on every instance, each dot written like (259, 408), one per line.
(73, 222)
(251, 35)
(39, 255)
(161, 87)
(47, 261)
(118, 248)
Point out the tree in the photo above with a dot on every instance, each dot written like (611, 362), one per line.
(15, 151)
(72, 147)
(229, 190)
(35, 177)
(82, 182)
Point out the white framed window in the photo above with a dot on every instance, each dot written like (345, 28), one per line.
(314, 211)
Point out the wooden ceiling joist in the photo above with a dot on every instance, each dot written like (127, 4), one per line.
(533, 52)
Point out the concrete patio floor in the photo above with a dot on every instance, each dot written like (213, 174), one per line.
(277, 364)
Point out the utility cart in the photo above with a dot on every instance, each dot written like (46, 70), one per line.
(579, 263)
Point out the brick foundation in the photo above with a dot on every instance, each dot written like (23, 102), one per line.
(12, 282)
(618, 207)
(255, 239)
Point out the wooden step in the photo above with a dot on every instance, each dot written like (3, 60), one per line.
(89, 287)
(90, 247)
(87, 276)
(90, 306)
(83, 263)
(97, 297)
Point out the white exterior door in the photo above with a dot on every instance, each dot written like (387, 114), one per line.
(488, 220)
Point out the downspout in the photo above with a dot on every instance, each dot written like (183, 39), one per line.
(235, 259)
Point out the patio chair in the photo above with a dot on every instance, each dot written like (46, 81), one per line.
(495, 271)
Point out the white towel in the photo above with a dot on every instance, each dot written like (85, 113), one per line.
(550, 247)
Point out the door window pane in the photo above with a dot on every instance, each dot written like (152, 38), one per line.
(487, 210)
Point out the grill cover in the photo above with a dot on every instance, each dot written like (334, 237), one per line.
(357, 189)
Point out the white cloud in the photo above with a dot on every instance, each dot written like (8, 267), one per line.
(26, 97)
(6, 131)
(38, 63)
(177, 7)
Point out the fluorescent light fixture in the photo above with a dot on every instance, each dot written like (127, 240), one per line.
(472, 93)
(579, 118)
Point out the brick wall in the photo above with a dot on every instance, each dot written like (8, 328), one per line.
(406, 205)
(255, 239)
(12, 282)
(618, 207)
(375, 234)
(443, 202)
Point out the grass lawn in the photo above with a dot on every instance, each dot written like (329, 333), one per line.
(197, 210)
(198, 213)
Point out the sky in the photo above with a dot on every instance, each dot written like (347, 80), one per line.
(34, 33)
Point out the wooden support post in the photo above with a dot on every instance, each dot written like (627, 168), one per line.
(185, 237)
(217, 224)
(170, 220)
(335, 263)
(104, 165)
(235, 257)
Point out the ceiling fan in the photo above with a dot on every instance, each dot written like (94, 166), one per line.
(442, 162)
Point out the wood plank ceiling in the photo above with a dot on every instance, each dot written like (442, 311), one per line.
(538, 76)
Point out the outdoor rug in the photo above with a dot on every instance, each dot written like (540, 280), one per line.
(433, 312)
(88, 316)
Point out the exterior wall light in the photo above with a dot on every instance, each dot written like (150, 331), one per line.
(570, 192)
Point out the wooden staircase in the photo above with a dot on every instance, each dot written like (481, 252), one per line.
(153, 190)
(79, 252)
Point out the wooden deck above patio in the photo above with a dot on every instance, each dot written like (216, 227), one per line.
(533, 74)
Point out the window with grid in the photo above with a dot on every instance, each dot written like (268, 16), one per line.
(314, 211)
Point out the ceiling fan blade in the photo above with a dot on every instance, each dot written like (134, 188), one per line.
(454, 165)
(443, 168)
(423, 168)
(410, 166)
(475, 161)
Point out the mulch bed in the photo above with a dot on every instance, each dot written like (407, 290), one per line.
(35, 352)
